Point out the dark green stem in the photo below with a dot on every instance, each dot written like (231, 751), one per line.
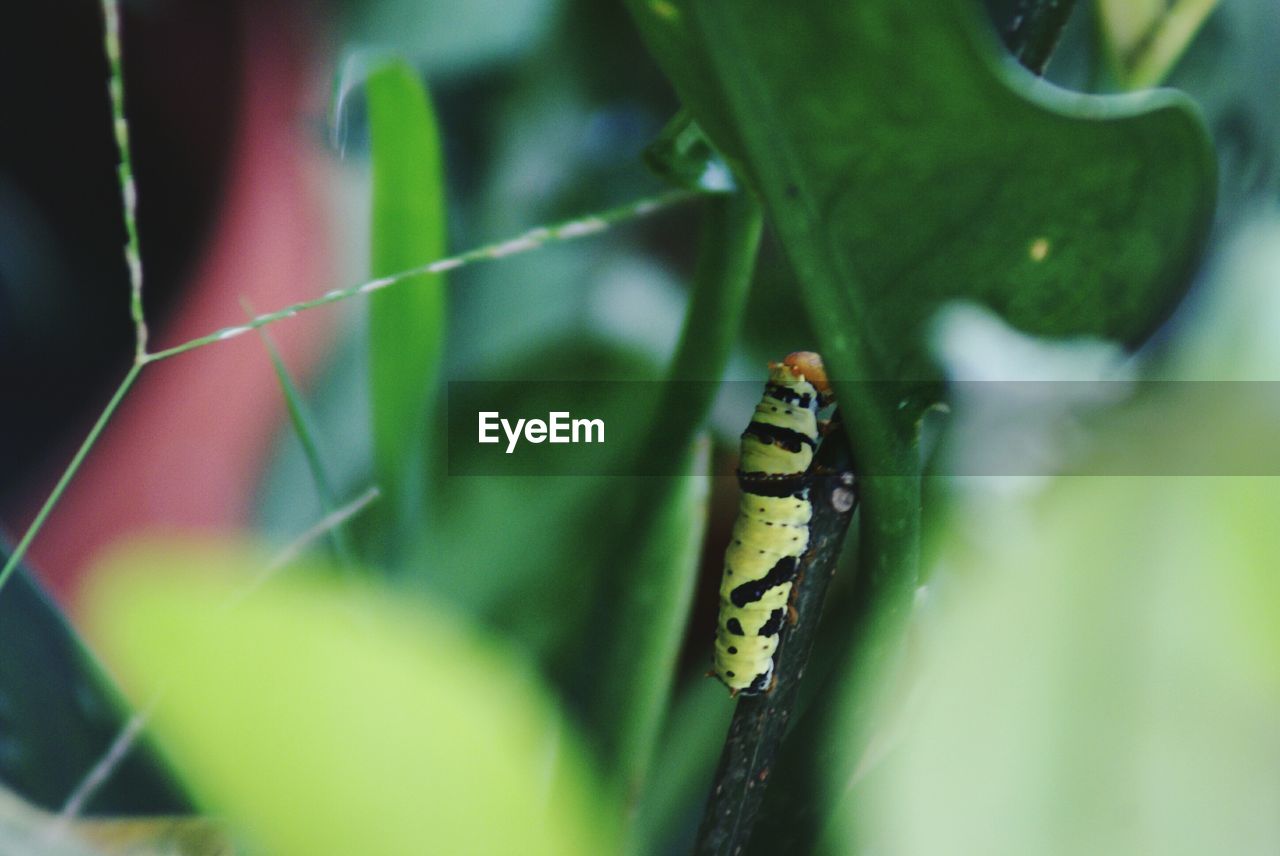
(1031, 29)
(888, 562)
(759, 723)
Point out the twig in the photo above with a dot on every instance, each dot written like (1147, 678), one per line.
(124, 172)
(72, 468)
(760, 722)
(1033, 28)
(530, 240)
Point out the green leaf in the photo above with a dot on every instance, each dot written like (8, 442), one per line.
(904, 165)
(325, 718)
(1100, 678)
(647, 584)
(683, 155)
(406, 322)
(1145, 39)
(641, 642)
(692, 737)
(59, 713)
(306, 434)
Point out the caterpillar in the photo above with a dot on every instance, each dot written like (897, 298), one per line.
(771, 532)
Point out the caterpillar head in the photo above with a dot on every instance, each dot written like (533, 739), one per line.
(808, 365)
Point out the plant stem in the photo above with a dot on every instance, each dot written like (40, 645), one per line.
(888, 560)
(1032, 29)
(19, 551)
(760, 722)
(531, 240)
(124, 172)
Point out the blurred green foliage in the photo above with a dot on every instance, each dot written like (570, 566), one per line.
(330, 719)
(1099, 677)
(1092, 667)
(407, 323)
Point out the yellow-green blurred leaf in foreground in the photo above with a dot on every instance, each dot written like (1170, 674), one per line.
(329, 719)
(1102, 676)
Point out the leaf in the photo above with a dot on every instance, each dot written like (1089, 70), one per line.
(904, 166)
(454, 39)
(329, 719)
(1112, 693)
(407, 322)
(640, 646)
(683, 156)
(59, 713)
(690, 746)
(303, 429)
(1144, 40)
(648, 580)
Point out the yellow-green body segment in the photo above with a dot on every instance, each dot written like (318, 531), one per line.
(772, 529)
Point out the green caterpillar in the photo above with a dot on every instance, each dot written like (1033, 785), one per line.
(772, 529)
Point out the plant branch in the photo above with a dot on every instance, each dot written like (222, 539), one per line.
(124, 172)
(21, 550)
(759, 723)
(531, 240)
(1032, 28)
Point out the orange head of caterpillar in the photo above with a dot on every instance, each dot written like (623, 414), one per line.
(808, 365)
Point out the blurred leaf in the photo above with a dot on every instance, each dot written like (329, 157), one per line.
(904, 165)
(1146, 38)
(683, 155)
(328, 719)
(648, 580)
(406, 322)
(500, 550)
(59, 713)
(452, 38)
(1126, 25)
(307, 438)
(630, 691)
(1111, 693)
(1234, 332)
(691, 741)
